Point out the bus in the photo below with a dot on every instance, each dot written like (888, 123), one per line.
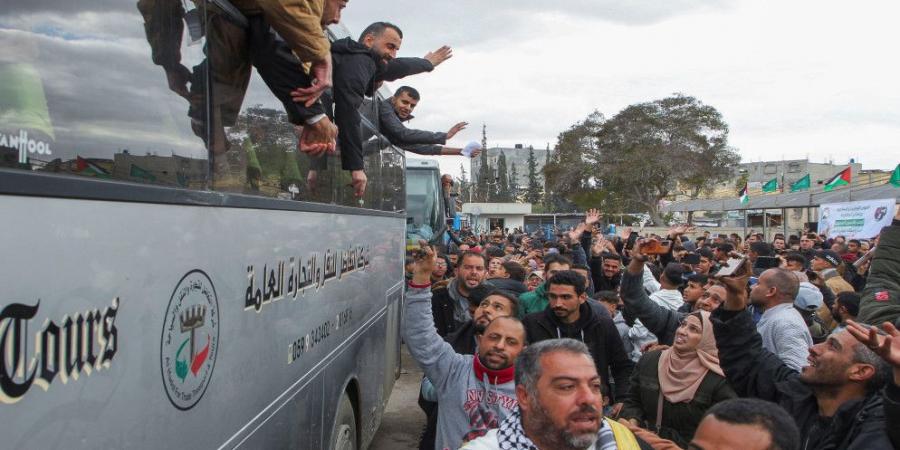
(170, 277)
(424, 203)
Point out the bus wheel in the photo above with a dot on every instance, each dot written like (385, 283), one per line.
(344, 437)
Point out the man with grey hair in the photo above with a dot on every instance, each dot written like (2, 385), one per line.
(560, 404)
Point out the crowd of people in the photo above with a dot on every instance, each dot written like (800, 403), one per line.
(586, 340)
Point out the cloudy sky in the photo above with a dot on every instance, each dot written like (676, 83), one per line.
(796, 79)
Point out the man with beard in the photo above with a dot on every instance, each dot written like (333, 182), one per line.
(835, 398)
(450, 304)
(536, 300)
(359, 68)
(560, 404)
(474, 392)
(568, 315)
(606, 277)
(846, 307)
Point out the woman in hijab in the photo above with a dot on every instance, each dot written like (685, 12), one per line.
(672, 388)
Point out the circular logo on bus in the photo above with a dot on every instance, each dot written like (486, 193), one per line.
(190, 339)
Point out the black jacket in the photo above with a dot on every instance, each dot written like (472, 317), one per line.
(463, 339)
(357, 72)
(416, 141)
(755, 372)
(601, 283)
(598, 333)
(892, 412)
(508, 284)
(442, 309)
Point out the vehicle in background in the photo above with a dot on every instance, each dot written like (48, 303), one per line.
(425, 218)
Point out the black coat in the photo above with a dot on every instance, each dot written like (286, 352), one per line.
(755, 372)
(515, 287)
(357, 70)
(442, 309)
(598, 333)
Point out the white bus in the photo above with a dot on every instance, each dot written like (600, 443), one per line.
(169, 281)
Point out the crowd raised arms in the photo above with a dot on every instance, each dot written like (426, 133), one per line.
(683, 340)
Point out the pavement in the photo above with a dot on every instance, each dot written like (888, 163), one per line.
(403, 420)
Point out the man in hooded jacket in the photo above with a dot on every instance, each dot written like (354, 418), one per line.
(568, 315)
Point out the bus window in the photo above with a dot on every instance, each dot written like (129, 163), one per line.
(81, 94)
(259, 154)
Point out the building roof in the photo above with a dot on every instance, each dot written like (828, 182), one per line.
(787, 200)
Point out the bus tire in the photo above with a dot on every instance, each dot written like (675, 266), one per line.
(344, 434)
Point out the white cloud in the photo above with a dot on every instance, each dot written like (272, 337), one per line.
(792, 79)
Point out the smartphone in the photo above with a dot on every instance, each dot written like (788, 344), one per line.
(691, 258)
(631, 240)
(766, 262)
(734, 267)
(656, 247)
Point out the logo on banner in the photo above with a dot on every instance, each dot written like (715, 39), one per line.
(880, 212)
(190, 340)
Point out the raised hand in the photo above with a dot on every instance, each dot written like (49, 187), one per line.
(456, 129)
(887, 347)
(736, 288)
(592, 217)
(424, 265)
(440, 55)
(575, 234)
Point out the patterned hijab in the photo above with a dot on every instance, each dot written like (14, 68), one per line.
(681, 373)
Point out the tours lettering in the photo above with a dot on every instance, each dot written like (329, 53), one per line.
(83, 342)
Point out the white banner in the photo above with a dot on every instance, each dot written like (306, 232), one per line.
(855, 220)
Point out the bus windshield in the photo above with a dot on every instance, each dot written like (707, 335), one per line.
(424, 219)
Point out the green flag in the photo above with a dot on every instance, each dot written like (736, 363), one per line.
(138, 172)
(744, 195)
(895, 177)
(801, 184)
(771, 185)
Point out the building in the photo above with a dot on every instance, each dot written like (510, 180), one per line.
(488, 216)
(758, 173)
(517, 155)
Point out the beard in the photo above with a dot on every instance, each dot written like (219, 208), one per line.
(539, 419)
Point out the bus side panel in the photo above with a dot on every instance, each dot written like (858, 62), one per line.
(131, 325)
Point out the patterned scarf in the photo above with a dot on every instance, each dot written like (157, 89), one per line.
(511, 435)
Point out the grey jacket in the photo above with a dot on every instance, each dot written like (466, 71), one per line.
(416, 141)
(471, 398)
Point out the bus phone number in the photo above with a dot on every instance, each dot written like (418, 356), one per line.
(318, 335)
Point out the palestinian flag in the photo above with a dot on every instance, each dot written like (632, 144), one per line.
(87, 167)
(744, 195)
(138, 172)
(801, 184)
(842, 178)
(895, 177)
(771, 185)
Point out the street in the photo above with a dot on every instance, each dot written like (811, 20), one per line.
(403, 420)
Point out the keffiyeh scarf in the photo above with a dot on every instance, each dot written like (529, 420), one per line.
(511, 435)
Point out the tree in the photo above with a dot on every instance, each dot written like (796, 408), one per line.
(502, 179)
(647, 149)
(570, 179)
(464, 184)
(533, 191)
(513, 183)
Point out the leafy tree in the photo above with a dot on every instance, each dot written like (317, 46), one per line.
(533, 191)
(570, 179)
(647, 149)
